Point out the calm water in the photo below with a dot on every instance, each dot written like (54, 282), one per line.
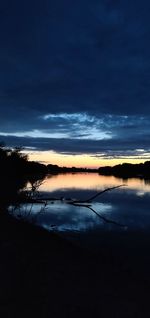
(122, 209)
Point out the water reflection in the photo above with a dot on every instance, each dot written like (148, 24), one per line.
(127, 206)
(64, 217)
(90, 181)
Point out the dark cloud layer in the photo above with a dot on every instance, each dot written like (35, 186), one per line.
(101, 149)
(75, 57)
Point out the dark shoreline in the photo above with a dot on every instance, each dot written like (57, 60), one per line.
(44, 275)
(127, 170)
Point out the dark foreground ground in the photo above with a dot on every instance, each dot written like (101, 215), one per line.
(43, 275)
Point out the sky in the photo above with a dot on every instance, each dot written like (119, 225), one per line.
(75, 80)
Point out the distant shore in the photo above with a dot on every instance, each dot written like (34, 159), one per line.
(127, 170)
(124, 171)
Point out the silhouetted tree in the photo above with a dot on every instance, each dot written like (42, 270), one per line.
(16, 171)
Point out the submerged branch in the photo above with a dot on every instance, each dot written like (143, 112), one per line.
(98, 214)
(82, 203)
(106, 219)
(99, 193)
(70, 201)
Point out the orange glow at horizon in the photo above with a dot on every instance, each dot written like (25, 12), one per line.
(84, 161)
(91, 181)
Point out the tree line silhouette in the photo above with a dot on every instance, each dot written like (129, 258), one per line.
(16, 171)
(127, 170)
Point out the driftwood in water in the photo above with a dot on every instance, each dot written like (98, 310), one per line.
(70, 201)
(97, 194)
(81, 203)
(98, 214)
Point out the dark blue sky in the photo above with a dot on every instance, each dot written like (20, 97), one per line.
(75, 76)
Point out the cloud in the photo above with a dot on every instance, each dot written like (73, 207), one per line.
(90, 56)
(85, 65)
(106, 149)
(79, 133)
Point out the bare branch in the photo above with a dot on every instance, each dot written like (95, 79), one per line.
(99, 193)
(98, 214)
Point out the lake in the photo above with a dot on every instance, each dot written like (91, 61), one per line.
(124, 209)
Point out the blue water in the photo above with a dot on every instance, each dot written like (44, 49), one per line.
(122, 209)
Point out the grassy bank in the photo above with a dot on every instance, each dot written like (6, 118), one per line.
(43, 275)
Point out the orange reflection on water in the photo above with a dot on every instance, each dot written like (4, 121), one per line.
(91, 181)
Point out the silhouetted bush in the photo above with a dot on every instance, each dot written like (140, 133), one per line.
(16, 171)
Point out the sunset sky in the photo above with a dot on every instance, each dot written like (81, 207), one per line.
(75, 80)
